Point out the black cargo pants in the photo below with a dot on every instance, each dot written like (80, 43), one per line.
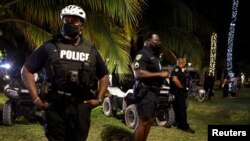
(69, 122)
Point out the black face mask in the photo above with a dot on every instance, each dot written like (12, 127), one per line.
(158, 45)
(157, 49)
(70, 30)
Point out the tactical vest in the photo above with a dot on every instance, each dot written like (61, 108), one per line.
(73, 68)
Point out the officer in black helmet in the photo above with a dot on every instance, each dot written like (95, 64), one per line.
(73, 67)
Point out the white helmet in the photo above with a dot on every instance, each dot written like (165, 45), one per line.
(73, 10)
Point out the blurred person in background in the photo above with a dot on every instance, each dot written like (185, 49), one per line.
(209, 85)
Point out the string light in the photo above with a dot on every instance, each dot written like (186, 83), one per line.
(213, 54)
(230, 40)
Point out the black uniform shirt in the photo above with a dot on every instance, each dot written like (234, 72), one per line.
(145, 60)
(46, 53)
(177, 71)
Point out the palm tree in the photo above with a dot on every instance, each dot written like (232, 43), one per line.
(113, 25)
(181, 27)
(109, 24)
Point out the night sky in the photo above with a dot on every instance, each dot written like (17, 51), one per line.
(220, 12)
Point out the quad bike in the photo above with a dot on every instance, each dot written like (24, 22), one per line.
(165, 115)
(122, 100)
(18, 103)
(197, 91)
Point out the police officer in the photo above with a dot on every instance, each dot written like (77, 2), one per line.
(73, 67)
(149, 78)
(179, 89)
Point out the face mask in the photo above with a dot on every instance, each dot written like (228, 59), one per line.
(158, 45)
(70, 30)
(157, 48)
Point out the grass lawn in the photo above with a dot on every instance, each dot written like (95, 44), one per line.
(218, 111)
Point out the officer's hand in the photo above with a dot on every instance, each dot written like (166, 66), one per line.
(92, 103)
(183, 90)
(164, 74)
(42, 105)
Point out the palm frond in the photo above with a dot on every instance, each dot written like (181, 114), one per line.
(33, 33)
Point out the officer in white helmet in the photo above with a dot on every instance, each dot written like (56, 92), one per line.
(73, 68)
(73, 18)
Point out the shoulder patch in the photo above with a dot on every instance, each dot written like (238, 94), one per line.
(176, 70)
(136, 65)
(138, 57)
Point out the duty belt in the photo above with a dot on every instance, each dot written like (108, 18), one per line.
(63, 98)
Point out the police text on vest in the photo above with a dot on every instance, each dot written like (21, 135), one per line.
(74, 55)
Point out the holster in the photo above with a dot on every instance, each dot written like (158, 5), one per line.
(140, 90)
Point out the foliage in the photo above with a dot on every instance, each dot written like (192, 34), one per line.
(109, 24)
(183, 29)
(115, 26)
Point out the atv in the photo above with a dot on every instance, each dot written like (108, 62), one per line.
(19, 102)
(121, 99)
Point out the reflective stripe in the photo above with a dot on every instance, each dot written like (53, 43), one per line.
(164, 92)
(64, 93)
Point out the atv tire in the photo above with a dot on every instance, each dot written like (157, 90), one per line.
(131, 116)
(8, 113)
(167, 119)
(201, 96)
(107, 107)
